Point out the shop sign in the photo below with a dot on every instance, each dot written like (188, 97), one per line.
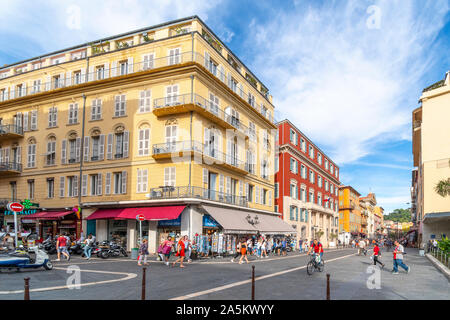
(170, 223)
(208, 221)
(24, 212)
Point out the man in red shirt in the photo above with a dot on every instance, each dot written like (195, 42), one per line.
(376, 255)
(317, 247)
(61, 246)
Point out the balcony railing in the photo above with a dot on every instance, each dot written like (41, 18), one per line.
(10, 166)
(169, 192)
(124, 69)
(10, 128)
(177, 146)
(224, 158)
(205, 104)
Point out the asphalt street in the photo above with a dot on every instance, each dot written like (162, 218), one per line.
(276, 278)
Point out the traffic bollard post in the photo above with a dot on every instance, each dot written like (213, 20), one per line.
(328, 286)
(26, 295)
(143, 283)
(253, 282)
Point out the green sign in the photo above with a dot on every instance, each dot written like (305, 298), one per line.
(27, 204)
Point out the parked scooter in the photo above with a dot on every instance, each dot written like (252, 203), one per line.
(49, 246)
(76, 248)
(113, 250)
(34, 257)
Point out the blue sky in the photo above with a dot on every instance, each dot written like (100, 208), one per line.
(347, 73)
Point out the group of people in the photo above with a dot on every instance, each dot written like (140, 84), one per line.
(182, 249)
(260, 247)
(397, 253)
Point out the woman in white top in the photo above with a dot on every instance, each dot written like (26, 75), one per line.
(264, 248)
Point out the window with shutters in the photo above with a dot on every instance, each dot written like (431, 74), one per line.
(95, 184)
(120, 106)
(212, 66)
(36, 86)
(319, 181)
(174, 56)
(144, 142)
(264, 196)
(250, 193)
(71, 186)
(171, 137)
(311, 176)
(319, 158)
(142, 181)
(251, 161)
(51, 151)
(311, 196)
(72, 150)
(326, 164)
(73, 113)
(326, 185)
(252, 131)
(50, 187)
(30, 183)
(148, 61)
(169, 176)
(251, 99)
(276, 189)
(95, 141)
(294, 190)
(233, 84)
(303, 143)
(123, 67)
(265, 169)
(100, 72)
(311, 152)
(52, 117)
(171, 95)
(31, 156)
(331, 169)
(145, 101)
(118, 183)
(77, 77)
(119, 145)
(214, 103)
(96, 110)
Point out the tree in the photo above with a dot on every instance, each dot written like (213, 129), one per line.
(442, 188)
(399, 215)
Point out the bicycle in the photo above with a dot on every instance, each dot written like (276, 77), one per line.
(313, 265)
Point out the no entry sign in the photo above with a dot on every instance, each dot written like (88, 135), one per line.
(140, 217)
(15, 206)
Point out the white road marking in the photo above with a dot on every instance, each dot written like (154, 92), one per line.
(239, 283)
(128, 277)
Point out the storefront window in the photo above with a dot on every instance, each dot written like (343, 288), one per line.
(117, 231)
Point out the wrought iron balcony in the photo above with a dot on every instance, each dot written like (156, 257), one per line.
(170, 192)
(10, 167)
(10, 131)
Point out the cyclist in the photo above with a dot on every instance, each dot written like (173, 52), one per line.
(317, 247)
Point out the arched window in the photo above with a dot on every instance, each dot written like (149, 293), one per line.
(51, 151)
(144, 140)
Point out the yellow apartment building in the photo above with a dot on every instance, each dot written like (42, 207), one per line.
(163, 121)
(431, 153)
(368, 204)
(350, 220)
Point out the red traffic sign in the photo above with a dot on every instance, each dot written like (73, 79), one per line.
(15, 206)
(140, 217)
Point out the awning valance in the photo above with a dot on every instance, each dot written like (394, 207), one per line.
(49, 215)
(150, 213)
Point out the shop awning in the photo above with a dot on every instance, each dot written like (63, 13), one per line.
(150, 213)
(232, 221)
(273, 225)
(48, 215)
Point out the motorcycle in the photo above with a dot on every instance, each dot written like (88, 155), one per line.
(113, 250)
(49, 246)
(76, 248)
(34, 257)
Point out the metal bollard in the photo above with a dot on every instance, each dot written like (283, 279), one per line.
(143, 283)
(26, 295)
(253, 282)
(328, 286)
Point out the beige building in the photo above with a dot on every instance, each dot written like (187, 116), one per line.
(431, 152)
(368, 209)
(162, 116)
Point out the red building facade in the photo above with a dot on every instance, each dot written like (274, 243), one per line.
(306, 186)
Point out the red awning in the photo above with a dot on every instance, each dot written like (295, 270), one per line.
(49, 215)
(150, 213)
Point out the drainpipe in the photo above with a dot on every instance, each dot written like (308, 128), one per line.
(82, 136)
(192, 36)
(190, 132)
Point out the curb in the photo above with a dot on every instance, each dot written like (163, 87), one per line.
(443, 269)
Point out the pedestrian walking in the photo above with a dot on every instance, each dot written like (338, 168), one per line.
(283, 247)
(243, 252)
(398, 258)
(61, 246)
(238, 250)
(143, 252)
(361, 247)
(188, 248)
(376, 255)
(263, 248)
(300, 245)
(180, 252)
(167, 249)
(88, 244)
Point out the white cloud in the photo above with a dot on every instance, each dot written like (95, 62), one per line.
(52, 25)
(343, 84)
